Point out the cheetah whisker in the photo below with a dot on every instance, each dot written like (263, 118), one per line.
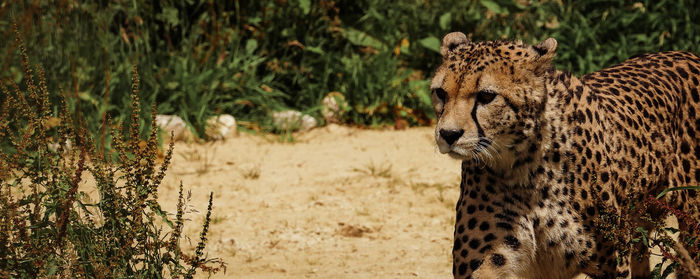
(492, 145)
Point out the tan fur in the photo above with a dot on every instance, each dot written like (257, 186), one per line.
(544, 152)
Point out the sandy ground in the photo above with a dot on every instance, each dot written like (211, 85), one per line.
(338, 203)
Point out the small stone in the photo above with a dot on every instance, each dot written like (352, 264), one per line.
(67, 146)
(175, 125)
(400, 123)
(333, 106)
(220, 126)
(292, 120)
(307, 122)
(334, 128)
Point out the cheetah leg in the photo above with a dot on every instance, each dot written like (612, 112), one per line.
(614, 265)
(683, 272)
(623, 268)
(611, 270)
(639, 256)
(639, 261)
(688, 231)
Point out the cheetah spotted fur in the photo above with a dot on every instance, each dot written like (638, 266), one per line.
(544, 152)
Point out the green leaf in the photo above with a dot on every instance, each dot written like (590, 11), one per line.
(445, 20)
(671, 229)
(163, 215)
(85, 96)
(360, 38)
(171, 85)
(170, 16)
(305, 6)
(644, 234)
(421, 90)
(52, 267)
(251, 45)
(656, 271)
(669, 269)
(314, 49)
(677, 189)
(431, 43)
(493, 6)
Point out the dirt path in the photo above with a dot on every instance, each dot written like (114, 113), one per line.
(338, 203)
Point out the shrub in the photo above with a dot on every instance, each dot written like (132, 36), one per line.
(48, 225)
(635, 227)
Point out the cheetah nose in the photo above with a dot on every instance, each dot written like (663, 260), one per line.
(450, 136)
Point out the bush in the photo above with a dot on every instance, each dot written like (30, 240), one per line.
(251, 58)
(49, 227)
(638, 226)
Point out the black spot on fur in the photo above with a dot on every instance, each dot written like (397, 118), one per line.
(489, 237)
(484, 226)
(474, 243)
(462, 268)
(485, 249)
(472, 223)
(475, 264)
(512, 242)
(498, 260)
(540, 51)
(504, 226)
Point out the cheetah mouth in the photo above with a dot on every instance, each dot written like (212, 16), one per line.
(458, 156)
(481, 150)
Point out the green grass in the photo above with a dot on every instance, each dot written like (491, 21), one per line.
(251, 58)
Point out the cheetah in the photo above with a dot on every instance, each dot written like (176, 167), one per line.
(544, 153)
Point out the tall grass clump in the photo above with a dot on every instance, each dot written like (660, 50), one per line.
(50, 226)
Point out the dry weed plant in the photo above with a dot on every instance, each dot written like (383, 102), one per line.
(252, 172)
(377, 170)
(204, 156)
(47, 230)
(629, 232)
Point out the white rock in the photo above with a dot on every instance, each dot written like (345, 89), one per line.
(333, 107)
(308, 122)
(285, 120)
(67, 146)
(293, 120)
(174, 124)
(220, 126)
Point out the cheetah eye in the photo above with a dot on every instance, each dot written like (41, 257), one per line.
(441, 94)
(484, 97)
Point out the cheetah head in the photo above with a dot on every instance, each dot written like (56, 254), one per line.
(489, 97)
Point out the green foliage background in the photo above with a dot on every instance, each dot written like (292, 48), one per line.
(250, 58)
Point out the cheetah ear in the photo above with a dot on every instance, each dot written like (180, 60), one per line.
(547, 48)
(451, 41)
(545, 53)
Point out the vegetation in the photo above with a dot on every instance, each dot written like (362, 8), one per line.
(636, 228)
(251, 58)
(198, 58)
(51, 227)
